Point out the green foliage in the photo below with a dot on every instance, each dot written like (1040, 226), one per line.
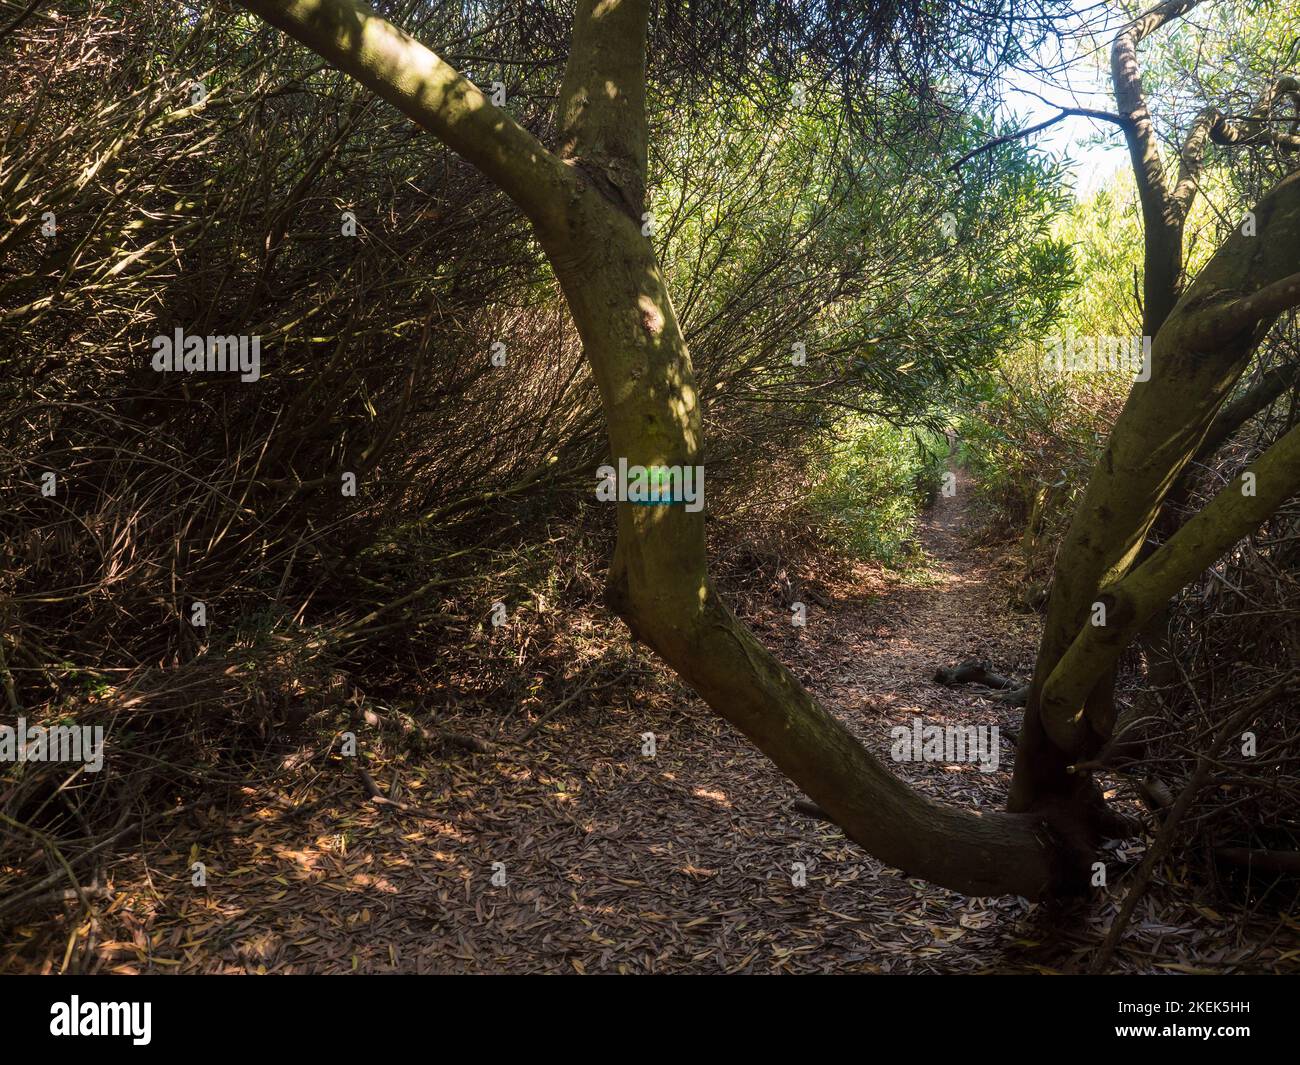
(1104, 233)
(874, 482)
(899, 280)
(1033, 435)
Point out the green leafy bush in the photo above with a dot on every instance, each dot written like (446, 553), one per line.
(875, 479)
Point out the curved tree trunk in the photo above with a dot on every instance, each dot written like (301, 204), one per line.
(586, 209)
(1198, 356)
(659, 584)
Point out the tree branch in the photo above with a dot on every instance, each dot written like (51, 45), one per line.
(1131, 601)
(1162, 214)
(1191, 160)
(1065, 112)
(1260, 395)
(1257, 128)
(1220, 323)
(399, 69)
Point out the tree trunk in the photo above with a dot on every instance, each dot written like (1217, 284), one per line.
(1198, 356)
(585, 208)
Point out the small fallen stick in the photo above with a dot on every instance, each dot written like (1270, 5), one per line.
(377, 796)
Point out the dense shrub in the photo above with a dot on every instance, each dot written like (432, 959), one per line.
(873, 483)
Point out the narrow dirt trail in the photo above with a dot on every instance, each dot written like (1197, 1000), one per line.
(613, 861)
